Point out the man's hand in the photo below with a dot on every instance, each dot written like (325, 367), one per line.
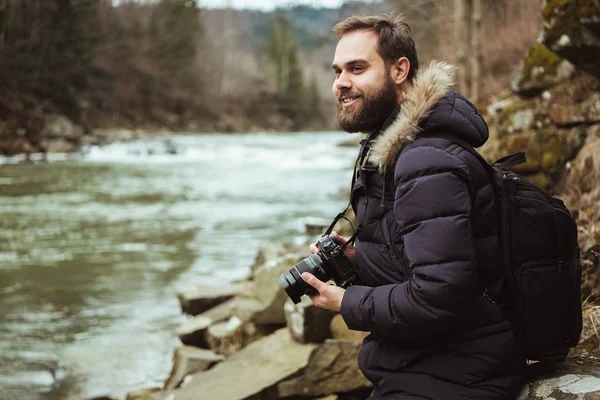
(329, 297)
(349, 249)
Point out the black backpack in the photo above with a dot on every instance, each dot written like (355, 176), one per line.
(538, 238)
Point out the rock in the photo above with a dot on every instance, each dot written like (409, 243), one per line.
(256, 368)
(59, 126)
(540, 69)
(562, 382)
(576, 103)
(195, 299)
(226, 337)
(271, 251)
(333, 368)
(585, 170)
(192, 332)
(339, 330)
(587, 112)
(571, 29)
(147, 394)
(263, 304)
(306, 322)
(189, 360)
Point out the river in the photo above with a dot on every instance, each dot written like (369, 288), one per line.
(93, 247)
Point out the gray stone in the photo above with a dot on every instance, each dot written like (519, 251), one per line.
(254, 369)
(339, 330)
(522, 120)
(195, 299)
(564, 381)
(306, 322)
(227, 337)
(263, 304)
(333, 368)
(189, 360)
(192, 332)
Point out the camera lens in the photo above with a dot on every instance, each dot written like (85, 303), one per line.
(294, 285)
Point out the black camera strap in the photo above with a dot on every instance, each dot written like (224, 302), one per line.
(362, 155)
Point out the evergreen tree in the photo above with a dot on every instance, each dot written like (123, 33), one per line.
(176, 30)
(287, 73)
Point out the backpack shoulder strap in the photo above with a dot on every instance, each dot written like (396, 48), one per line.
(504, 162)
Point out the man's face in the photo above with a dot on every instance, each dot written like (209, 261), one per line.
(365, 92)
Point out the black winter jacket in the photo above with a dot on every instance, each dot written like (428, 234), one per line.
(426, 253)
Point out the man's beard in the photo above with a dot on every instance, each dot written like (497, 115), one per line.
(374, 111)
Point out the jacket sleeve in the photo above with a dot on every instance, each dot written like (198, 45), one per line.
(432, 209)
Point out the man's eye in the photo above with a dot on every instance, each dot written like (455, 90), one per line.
(357, 69)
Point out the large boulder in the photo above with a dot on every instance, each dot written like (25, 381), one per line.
(306, 322)
(195, 299)
(571, 29)
(333, 368)
(257, 368)
(189, 360)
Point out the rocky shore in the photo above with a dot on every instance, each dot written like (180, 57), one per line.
(247, 341)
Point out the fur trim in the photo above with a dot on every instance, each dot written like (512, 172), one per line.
(430, 85)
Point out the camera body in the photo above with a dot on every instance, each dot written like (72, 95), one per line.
(330, 263)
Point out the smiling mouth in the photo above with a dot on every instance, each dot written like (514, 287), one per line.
(349, 100)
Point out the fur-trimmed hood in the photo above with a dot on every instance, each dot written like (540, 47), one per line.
(429, 106)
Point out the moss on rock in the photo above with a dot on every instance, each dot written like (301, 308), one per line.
(571, 30)
(541, 69)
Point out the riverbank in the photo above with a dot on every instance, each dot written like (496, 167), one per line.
(251, 333)
(44, 131)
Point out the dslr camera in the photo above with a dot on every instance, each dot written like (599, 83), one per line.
(330, 263)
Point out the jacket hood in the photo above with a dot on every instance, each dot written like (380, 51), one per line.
(429, 107)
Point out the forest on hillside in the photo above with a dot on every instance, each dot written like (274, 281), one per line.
(173, 65)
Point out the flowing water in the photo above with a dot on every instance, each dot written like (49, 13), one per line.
(93, 247)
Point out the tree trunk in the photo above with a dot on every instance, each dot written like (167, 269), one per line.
(461, 21)
(475, 51)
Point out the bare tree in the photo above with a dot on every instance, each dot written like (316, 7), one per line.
(467, 20)
(475, 52)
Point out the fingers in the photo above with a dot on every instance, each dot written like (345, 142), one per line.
(314, 282)
(313, 248)
(340, 239)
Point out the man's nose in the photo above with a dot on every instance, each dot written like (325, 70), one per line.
(343, 82)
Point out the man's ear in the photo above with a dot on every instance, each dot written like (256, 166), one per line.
(399, 71)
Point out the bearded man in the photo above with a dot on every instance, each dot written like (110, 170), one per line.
(427, 249)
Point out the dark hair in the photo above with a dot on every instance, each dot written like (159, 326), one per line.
(395, 37)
